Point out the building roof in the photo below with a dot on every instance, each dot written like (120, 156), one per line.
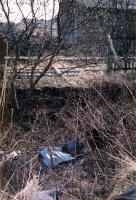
(128, 4)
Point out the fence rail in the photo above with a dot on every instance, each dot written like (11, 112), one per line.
(127, 63)
(52, 72)
(76, 70)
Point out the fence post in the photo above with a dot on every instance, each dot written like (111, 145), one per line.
(3, 50)
(109, 60)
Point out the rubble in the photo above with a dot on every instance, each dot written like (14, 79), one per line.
(53, 156)
(46, 195)
(128, 195)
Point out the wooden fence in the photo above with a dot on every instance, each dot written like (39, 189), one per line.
(76, 70)
(126, 63)
(126, 50)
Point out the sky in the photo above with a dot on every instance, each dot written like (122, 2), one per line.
(24, 5)
(20, 8)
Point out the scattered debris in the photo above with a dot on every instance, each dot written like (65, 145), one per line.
(53, 156)
(13, 155)
(129, 195)
(2, 152)
(43, 195)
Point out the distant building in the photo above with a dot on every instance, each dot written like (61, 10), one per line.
(41, 28)
(52, 27)
(86, 23)
(40, 33)
(24, 23)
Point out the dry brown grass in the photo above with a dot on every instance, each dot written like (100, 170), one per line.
(32, 186)
(110, 108)
(3, 96)
(125, 179)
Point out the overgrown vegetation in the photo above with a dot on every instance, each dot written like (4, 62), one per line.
(102, 117)
(77, 47)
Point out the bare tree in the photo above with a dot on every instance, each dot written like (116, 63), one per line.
(82, 27)
(22, 41)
